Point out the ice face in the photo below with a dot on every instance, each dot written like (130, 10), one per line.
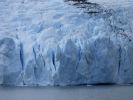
(10, 64)
(53, 42)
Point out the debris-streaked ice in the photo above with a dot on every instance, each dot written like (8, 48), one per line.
(52, 42)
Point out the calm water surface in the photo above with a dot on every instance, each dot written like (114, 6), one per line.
(67, 93)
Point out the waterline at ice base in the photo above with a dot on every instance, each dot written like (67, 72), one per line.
(66, 42)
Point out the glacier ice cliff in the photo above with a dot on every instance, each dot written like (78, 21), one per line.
(56, 42)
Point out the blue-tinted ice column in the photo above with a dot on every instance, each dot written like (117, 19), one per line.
(10, 64)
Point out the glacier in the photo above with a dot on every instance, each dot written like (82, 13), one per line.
(57, 42)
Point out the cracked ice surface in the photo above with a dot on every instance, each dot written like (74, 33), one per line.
(52, 42)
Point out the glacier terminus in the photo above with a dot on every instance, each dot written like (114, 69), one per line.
(65, 42)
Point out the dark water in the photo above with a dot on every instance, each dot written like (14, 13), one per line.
(67, 93)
